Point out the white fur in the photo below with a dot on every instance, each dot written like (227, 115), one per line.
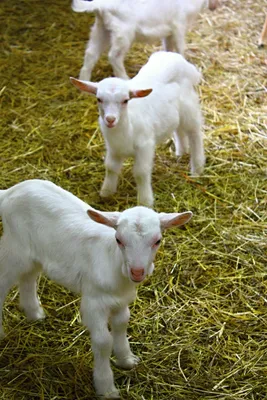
(118, 23)
(135, 129)
(47, 229)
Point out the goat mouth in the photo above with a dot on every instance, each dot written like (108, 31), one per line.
(137, 279)
(110, 124)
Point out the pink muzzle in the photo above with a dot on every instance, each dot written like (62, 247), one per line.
(137, 274)
(110, 121)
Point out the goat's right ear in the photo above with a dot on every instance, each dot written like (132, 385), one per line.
(104, 218)
(84, 86)
(139, 93)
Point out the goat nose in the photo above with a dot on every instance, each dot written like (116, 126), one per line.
(137, 273)
(110, 119)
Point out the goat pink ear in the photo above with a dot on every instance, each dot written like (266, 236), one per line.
(139, 93)
(167, 220)
(104, 218)
(84, 86)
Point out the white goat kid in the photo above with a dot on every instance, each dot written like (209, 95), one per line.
(102, 257)
(119, 23)
(134, 129)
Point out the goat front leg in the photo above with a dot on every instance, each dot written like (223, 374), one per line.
(113, 167)
(97, 44)
(143, 166)
(121, 348)
(96, 320)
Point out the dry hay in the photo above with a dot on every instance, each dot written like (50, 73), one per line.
(200, 323)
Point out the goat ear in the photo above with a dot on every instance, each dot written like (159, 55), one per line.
(84, 86)
(139, 93)
(168, 220)
(104, 218)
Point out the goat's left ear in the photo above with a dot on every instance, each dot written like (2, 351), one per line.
(84, 86)
(139, 93)
(104, 218)
(168, 220)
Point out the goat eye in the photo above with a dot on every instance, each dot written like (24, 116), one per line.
(99, 100)
(125, 101)
(119, 242)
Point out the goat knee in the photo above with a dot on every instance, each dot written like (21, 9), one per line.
(102, 344)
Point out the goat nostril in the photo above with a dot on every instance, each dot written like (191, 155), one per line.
(110, 119)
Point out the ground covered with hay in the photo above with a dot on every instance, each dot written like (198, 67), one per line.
(199, 323)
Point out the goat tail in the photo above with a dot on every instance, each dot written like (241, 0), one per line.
(89, 5)
(192, 73)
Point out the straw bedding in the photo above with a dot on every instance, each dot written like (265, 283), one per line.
(199, 323)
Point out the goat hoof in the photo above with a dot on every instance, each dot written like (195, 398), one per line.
(35, 315)
(148, 203)
(106, 193)
(111, 395)
(197, 171)
(146, 200)
(128, 362)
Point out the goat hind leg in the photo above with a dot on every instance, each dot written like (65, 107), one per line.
(197, 155)
(8, 278)
(119, 48)
(181, 143)
(29, 300)
(97, 44)
(178, 39)
(6, 282)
